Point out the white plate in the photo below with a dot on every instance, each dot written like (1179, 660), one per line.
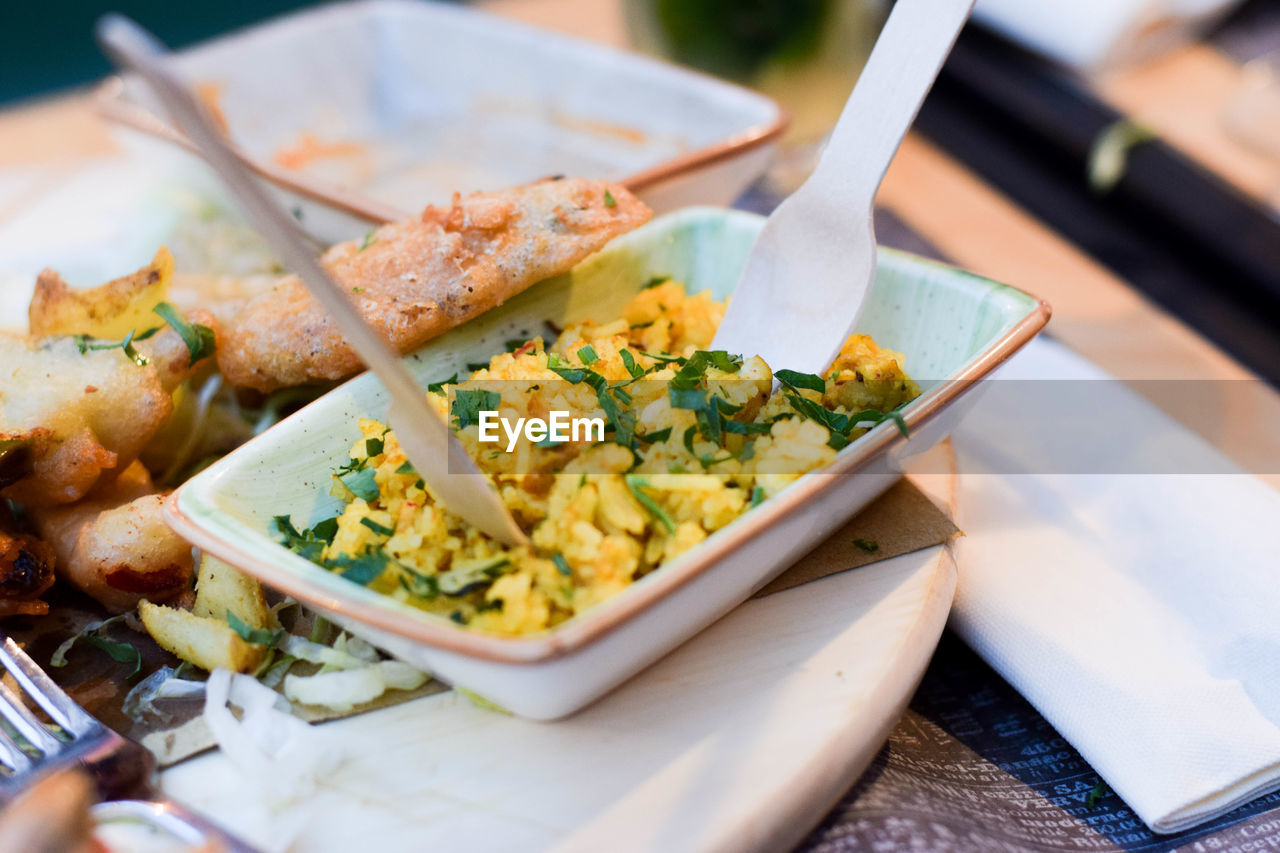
(740, 740)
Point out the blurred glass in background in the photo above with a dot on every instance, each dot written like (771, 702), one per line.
(806, 54)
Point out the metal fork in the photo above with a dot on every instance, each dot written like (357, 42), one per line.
(122, 768)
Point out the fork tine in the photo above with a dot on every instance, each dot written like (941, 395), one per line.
(40, 687)
(12, 755)
(26, 723)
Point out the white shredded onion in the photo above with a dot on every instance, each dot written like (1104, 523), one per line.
(302, 648)
(342, 690)
(281, 753)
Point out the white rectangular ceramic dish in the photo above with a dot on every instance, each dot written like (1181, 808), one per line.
(409, 101)
(952, 326)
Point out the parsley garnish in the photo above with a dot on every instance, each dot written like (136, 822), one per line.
(363, 570)
(256, 636)
(362, 484)
(609, 200)
(629, 362)
(468, 404)
(200, 340)
(868, 545)
(117, 651)
(1099, 791)
(380, 529)
(308, 544)
(562, 565)
(423, 586)
(84, 343)
(325, 530)
(438, 387)
(757, 496)
(637, 484)
(373, 447)
(795, 379)
(369, 239)
(588, 355)
(654, 437)
(655, 281)
(467, 579)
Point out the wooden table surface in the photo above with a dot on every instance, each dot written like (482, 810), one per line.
(1095, 312)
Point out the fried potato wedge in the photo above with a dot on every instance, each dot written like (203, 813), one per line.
(222, 589)
(198, 640)
(111, 310)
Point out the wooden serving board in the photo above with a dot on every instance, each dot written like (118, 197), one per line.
(742, 739)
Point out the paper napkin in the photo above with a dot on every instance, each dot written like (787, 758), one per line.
(1140, 613)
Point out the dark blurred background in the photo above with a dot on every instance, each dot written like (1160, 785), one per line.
(48, 45)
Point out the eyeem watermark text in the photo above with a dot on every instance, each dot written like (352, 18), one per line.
(559, 428)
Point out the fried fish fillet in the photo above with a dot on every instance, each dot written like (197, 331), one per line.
(70, 418)
(415, 279)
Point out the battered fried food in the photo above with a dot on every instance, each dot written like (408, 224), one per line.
(68, 418)
(114, 544)
(26, 569)
(415, 279)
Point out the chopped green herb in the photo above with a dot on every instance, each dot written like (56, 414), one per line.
(693, 399)
(84, 343)
(465, 579)
(795, 379)
(514, 344)
(637, 485)
(420, 585)
(373, 447)
(562, 565)
(1099, 791)
(469, 403)
(380, 529)
(369, 239)
(357, 290)
(473, 366)
(609, 200)
(588, 355)
(362, 484)
(117, 651)
(664, 357)
(438, 387)
(200, 340)
(654, 437)
(629, 362)
(257, 636)
(406, 467)
(308, 544)
(325, 530)
(655, 281)
(868, 545)
(363, 570)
